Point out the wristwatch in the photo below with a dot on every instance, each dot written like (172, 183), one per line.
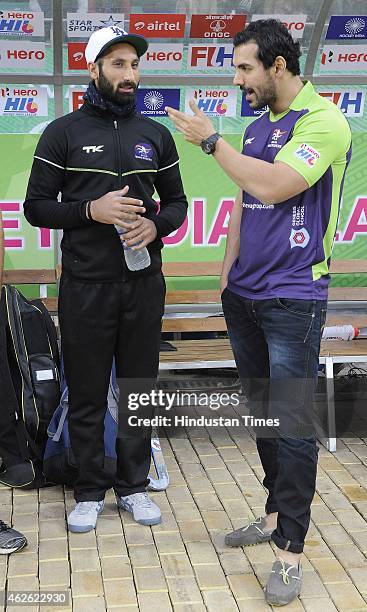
(208, 144)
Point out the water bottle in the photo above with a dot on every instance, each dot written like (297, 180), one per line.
(135, 260)
(340, 332)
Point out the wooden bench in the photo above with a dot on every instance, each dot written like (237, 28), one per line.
(185, 310)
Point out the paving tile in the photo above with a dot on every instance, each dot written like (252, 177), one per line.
(53, 550)
(24, 564)
(210, 577)
(319, 605)
(154, 602)
(184, 590)
(86, 584)
(138, 534)
(330, 570)
(346, 597)
(219, 600)
(176, 565)
(112, 546)
(51, 530)
(150, 579)
(208, 501)
(359, 578)
(245, 586)
(115, 567)
(144, 556)
(193, 531)
(200, 485)
(312, 586)
(120, 593)
(89, 604)
(54, 573)
(168, 543)
(235, 562)
(216, 519)
(350, 556)
(84, 562)
(201, 553)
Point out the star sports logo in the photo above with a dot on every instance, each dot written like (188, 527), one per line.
(82, 25)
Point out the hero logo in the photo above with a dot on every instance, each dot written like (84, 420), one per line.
(153, 100)
(93, 149)
(275, 137)
(156, 25)
(15, 23)
(211, 105)
(211, 56)
(307, 154)
(19, 54)
(23, 102)
(351, 103)
(216, 26)
(165, 57)
(295, 24)
(213, 102)
(339, 58)
(299, 238)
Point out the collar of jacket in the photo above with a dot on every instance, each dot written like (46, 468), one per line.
(92, 109)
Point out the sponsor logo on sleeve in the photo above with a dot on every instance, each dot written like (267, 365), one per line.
(19, 23)
(143, 151)
(157, 25)
(347, 26)
(299, 238)
(216, 26)
(19, 102)
(82, 25)
(248, 141)
(152, 102)
(307, 154)
(295, 24)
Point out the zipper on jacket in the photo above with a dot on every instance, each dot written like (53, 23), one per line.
(116, 128)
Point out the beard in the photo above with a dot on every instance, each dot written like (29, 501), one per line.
(264, 96)
(114, 96)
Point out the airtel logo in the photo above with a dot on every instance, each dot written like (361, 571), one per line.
(157, 26)
(78, 56)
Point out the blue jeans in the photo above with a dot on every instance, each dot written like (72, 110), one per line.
(276, 345)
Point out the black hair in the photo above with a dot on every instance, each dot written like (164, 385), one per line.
(272, 39)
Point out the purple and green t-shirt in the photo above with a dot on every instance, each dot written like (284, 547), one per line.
(285, 248)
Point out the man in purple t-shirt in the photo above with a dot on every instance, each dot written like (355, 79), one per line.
(276, 272)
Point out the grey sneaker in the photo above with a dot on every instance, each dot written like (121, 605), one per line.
(251, 534)
(143, 509)
(284, 583)
(84, 516)
(10, 539)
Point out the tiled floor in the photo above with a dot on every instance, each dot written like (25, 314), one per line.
(183, 563)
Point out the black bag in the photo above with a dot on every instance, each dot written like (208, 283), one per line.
(30, 386)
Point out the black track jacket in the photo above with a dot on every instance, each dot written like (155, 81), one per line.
(86, 154)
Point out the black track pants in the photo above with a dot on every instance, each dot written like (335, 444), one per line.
(98, 321)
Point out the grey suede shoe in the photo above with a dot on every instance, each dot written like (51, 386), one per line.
(251, 534)
(284, 583)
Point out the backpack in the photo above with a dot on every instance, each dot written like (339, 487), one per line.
(30, 385)
(59, 463)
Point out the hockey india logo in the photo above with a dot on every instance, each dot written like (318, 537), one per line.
(355, 25)
(153, 100)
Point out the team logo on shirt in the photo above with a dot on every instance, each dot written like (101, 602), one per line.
(276, 135)
(307, 154)
(299, 238)
(249, 140)
(143, 151)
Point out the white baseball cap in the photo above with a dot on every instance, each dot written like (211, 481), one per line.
(104, 38)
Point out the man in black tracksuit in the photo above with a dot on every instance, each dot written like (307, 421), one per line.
(107, 161)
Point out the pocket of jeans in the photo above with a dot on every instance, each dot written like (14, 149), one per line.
(305, 308)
